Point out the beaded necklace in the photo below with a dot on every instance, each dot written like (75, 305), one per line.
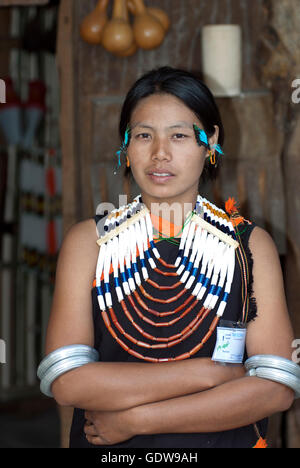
(204, 267)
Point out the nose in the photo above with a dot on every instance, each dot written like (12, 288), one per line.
(160, 150)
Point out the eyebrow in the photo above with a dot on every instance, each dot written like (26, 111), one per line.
(177, 125)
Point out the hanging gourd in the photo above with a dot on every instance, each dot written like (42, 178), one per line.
(148, 30)
(129, 52)
(156, 12)
(92, 26)
(118, 35)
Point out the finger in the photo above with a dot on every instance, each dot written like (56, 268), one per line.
(95, 440)
(88, 415)
(90, 430)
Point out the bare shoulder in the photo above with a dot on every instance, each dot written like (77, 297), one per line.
(261, 242)
(267, 271)
(264, 252)
(83, 232)
(78, 254)
(80, 242)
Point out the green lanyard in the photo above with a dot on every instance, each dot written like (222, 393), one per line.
(174, 239)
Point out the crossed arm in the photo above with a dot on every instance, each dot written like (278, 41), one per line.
(196, 395)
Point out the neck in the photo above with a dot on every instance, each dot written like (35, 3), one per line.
(172, 210)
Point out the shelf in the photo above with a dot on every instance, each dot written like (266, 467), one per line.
(247, 93)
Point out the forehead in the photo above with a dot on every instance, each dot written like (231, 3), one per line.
(162, 108)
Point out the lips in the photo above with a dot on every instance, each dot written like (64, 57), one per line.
(160, 176)
(160, 172)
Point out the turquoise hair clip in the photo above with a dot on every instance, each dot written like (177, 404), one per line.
(202, 140)
(218, 148)
(123, 148)
(201, 136)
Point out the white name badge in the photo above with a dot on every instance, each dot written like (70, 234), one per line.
(230, 345)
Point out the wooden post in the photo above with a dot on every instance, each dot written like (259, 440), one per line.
(65, 56)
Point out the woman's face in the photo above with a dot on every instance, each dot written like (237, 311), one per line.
(163, 142)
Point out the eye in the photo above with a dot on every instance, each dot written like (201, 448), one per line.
(143, 135)
(180, 135)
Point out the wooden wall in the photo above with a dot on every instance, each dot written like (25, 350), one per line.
(262, 126)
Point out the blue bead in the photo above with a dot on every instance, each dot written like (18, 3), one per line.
(200, 279)
(116, 281)
(207, 280)
(152, 244)
(225, 297)
(194, 272)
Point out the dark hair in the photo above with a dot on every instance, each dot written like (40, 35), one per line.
(188, 88)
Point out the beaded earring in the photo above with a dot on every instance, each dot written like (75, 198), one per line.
(123, 150)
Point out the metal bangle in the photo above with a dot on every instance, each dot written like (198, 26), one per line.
(63, 353)
(274, 362)
(277, 375)
(60, 368)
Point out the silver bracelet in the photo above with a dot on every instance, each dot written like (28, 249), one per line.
(65, 352)
(275, 368)
(61, 361)
(60, 368)
(275, 362)
(280, 376)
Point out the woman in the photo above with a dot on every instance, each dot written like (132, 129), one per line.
(133, 397)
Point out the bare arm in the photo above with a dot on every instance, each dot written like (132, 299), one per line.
(105, 385)
(117, 386)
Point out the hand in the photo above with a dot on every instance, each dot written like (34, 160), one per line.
(108, 427)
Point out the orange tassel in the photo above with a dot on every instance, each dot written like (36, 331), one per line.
(230, 206)
(261, 443)
(238, 220)
(231, 209)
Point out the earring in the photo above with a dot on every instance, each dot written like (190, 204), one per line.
(123, 150)
(202, 140)
(212, 153)
(212, 156)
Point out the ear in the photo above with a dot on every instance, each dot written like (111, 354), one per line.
(213, 140)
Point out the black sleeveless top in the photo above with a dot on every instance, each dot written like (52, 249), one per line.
(111, 351)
